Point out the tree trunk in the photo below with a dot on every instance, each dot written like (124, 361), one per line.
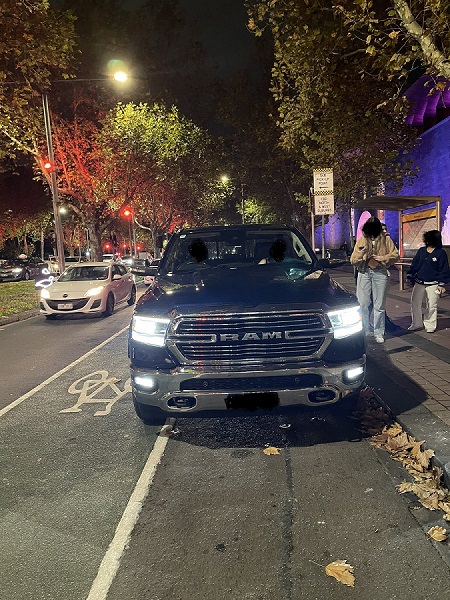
(95, 237)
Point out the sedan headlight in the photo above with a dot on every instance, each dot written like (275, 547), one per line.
(95, 291)
(148, 330)
(345, 322)
(17, 270)
(45, 294)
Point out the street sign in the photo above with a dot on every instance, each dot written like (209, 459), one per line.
(323, 192)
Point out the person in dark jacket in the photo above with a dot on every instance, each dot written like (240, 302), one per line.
(429, 273)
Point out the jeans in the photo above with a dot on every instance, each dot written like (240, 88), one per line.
(429, 319)
(371, 287)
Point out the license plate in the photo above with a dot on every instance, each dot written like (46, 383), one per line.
(252, 401)
(65, 306)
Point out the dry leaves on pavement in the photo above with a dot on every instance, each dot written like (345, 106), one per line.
(342, 571)
(390, 436)
(271, 451)
(438, 533)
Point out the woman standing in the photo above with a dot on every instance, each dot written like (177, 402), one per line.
(372, 255)
(429, 273)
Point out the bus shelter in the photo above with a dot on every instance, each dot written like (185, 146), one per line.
(416, 214)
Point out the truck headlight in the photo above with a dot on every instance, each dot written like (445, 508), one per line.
(345, 322)
(148, 330)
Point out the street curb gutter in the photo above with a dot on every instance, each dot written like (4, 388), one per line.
(26, 314)
(416, 420)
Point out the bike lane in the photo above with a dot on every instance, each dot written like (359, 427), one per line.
(72, 453)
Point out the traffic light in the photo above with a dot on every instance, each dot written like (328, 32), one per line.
(127, 212)
(48, 166)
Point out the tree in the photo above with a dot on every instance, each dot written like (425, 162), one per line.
(400, 37)
(148, 157)
(37, 45)
(329, 114)
(157, 161)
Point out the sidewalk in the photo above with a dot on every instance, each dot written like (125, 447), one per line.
(410, 371)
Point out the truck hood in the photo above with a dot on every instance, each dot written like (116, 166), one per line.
(268, 287)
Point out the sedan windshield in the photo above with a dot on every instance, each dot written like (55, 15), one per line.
(85, 273)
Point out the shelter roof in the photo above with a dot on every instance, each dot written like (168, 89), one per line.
(395, 202)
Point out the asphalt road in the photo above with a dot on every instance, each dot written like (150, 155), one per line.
(34, 349)
(216, 517)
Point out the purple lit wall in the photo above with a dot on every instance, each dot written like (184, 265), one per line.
(430, 114)
(432, 156)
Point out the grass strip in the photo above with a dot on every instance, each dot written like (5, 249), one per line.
(18, 296)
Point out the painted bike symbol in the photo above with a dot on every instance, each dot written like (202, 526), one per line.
(91, 386)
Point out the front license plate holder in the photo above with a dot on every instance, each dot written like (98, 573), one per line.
(252, 401)
(65, 306)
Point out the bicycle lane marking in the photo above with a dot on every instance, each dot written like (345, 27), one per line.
(39, 387)
(77, 465)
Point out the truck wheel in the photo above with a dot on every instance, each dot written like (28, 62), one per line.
(149, 415)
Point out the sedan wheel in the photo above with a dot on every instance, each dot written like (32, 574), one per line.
(132, 298)
(109, 309)
(26, 275)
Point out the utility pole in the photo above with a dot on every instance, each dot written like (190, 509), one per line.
(53, 184)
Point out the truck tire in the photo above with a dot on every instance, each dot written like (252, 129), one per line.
(149, 415)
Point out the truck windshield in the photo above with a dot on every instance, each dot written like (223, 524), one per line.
(193, 251)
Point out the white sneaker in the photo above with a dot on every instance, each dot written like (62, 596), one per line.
(379, 339)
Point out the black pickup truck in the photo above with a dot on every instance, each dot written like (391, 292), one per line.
(242, 318)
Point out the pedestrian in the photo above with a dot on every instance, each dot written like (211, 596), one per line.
(372, 255)
(429, 273)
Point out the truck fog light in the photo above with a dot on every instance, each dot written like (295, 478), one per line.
(148, 384)
(353, 375)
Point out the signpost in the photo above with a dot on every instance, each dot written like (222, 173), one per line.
(323, 199)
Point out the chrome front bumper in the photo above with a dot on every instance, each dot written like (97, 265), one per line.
(171, 392)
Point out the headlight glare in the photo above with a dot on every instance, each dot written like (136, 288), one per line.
(345, 322)
(95, 291)
(45, 294)
(148, 330)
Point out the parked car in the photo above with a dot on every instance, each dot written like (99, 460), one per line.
(90, 288)
(149, 279)
(243, 317)
(20, 268)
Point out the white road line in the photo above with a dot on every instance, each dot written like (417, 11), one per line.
(39, 387)
(111, 561)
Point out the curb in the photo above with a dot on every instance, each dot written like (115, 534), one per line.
(417, 420)
(26, 314)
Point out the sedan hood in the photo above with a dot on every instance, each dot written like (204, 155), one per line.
(72, 289)
(241, 289)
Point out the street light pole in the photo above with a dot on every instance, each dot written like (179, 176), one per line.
(53, 184)
(243, 203)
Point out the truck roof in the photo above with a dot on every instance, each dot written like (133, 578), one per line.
(244, 227)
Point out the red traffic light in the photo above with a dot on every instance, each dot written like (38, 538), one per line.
(48, 166)
(127, 212)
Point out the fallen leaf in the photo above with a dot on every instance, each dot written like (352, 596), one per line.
(343, 572)
(168, 431)
(271, 450)
(438, 533)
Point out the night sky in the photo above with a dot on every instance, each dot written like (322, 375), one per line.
(221, 25)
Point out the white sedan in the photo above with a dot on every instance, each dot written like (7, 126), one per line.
(90, 288)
